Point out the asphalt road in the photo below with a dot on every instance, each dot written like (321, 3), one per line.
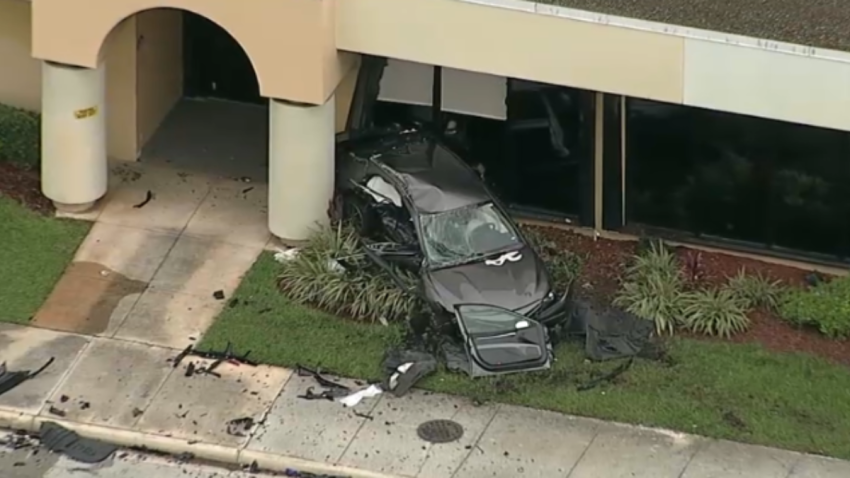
(39, 463)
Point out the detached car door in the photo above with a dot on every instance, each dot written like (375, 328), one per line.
(498, 340)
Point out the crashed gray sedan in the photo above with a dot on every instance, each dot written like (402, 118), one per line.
(421, 209)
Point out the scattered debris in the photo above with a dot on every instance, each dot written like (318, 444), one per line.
(356, 397)
(184, 457)
(240, 427)
(254, 467)
(311, 395)
(148, 198)
(218, 295)
(285, 255)
(440, 431)
(137, 412)
(85, 405)
(10, 380)
(175, 362)
(218, 357)
(63, 399)
(292, 473)
(734, 420)
(233, 303)
(19, 440)
(62, 440)
(363, 415)
(608, 377)
(247, 190)
(56, 411)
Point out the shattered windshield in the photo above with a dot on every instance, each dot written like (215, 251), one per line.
(465, 234)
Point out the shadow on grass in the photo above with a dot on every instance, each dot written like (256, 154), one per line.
(722, 390)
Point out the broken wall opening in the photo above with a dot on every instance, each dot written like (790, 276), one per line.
(533, 142)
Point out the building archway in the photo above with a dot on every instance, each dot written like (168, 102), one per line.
(288, 44)
(279, 37)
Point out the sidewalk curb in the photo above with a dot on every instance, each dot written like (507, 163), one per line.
(12, 420)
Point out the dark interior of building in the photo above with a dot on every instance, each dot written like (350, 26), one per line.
(215, 65)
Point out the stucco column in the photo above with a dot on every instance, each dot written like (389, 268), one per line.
(301, 167)
(73, 135)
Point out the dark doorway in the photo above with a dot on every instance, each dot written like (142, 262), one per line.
(214, 63)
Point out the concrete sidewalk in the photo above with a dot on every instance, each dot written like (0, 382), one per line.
(141, 289)
(128, 393)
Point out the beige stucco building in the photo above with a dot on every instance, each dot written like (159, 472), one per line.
(104, 75)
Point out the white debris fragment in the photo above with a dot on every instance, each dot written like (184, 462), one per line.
(355, 398)
(286, 255)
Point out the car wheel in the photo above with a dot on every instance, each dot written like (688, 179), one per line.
(356, 213)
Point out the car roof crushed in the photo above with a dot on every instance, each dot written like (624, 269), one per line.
(433, 178)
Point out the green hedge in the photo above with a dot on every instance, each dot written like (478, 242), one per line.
(825, 306)
(20, 136)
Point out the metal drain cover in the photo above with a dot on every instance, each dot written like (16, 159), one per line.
(440, 431)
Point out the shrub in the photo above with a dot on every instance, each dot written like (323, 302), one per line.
(653, 297)
(825, 306)
(718, 312)
(20, 136)
(361, 292)
(564, 265)
(756, 290)
(653, 288)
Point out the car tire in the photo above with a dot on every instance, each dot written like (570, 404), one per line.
(357, 213)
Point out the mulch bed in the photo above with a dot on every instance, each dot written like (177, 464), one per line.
(24, 186)
(605, 260)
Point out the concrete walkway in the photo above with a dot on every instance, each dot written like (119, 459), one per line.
(142, 288)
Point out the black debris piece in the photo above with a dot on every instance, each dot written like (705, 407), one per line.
(56, 411)
(148, 198)
(18, 441)
(403, 368)
(63, 399)
(10, 380)
(608, 377)
(190, 369)
(85, 405)
(184, 457)
(610, 333)
(254, 467)
(240, 427)
(85, 450)
(292, 473)
(175, 362)
(311, 395)
(363, 415)
(233, 303)
(440, 431)
(137, 412)
(218, 295)
(227, 355)
(247, 190)
(332, 390)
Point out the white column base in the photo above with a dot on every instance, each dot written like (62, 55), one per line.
(301, 168)
(73, 208)
(73, 134)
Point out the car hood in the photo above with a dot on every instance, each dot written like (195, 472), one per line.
(511, 282)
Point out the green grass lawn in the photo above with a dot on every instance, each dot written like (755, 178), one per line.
(738, 392)
(35, 251)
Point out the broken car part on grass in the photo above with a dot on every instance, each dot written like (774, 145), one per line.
(423, 213)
